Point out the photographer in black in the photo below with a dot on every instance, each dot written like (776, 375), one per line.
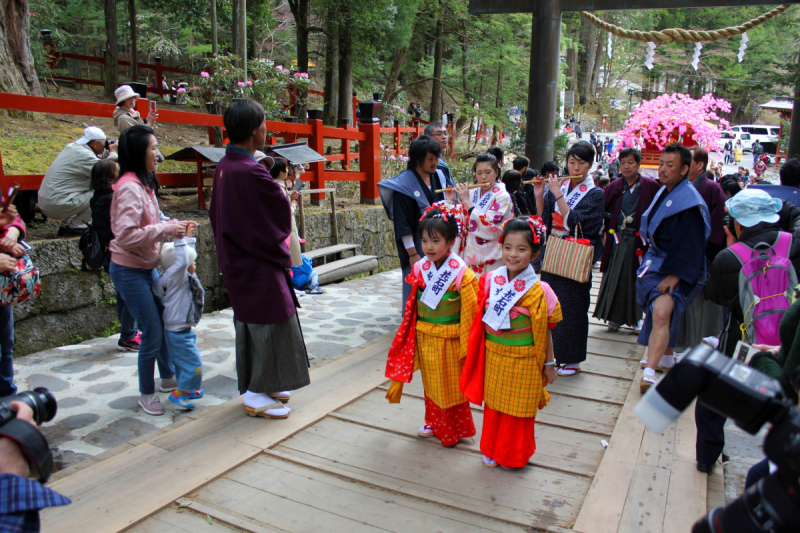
(24, 449)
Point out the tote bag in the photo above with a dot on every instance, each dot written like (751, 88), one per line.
(568, 259)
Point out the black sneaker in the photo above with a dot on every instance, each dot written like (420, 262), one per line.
(70, 232)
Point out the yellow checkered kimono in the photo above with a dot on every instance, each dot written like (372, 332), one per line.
(442, 346)
(513, 370)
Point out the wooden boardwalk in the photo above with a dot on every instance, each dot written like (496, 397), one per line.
(346, 460)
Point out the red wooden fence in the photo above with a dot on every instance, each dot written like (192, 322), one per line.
(368, 135)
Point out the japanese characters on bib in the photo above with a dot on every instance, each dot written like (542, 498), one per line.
(438, 280)
(560, 226)
(483, 203)
(504, 295)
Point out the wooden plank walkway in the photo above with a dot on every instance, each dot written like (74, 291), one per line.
(347, 460)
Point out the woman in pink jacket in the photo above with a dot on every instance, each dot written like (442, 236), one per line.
(138, 232)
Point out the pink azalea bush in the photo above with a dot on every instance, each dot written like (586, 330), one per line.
(655, 120)
(204, 74)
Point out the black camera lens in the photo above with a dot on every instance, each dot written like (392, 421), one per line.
(40, 400)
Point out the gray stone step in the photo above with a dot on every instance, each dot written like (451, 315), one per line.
(330, 250)
(349, 266)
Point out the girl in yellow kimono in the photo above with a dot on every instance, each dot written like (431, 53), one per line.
(435, 331)
(510, 357)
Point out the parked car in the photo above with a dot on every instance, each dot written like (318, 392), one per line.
(766, 135)
(734, 136)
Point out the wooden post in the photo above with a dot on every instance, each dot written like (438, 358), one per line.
(200, 201)
(316, 142)
(416, 132)
(346, 146)
(370, 161)
(334, 225)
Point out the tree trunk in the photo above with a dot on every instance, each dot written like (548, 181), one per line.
(235, 27)
(243, 35)
(112, 68)
(436, 93)
(214, 49)
(391, 82)
(18, 75)
(134, 37)
(299, 10)
(330, 111)
(345, 67)
(572, 69)
(497, 99)
(591, 47)
(598, 61)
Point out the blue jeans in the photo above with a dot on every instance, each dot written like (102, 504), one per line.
(186, 358)
(7, 386)
(135, 287)
(127, 323)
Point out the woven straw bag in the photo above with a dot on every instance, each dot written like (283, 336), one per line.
(568, 259)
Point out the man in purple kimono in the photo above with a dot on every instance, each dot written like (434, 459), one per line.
(251, 220)
(703, 318)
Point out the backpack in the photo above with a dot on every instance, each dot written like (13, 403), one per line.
(18, 286)
(766, 288)
(93, 253)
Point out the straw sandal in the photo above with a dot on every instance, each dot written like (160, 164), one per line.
(262, 411)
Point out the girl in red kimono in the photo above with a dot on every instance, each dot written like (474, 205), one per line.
(435, 331)
(510, 358)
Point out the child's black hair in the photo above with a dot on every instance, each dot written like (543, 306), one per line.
(102, 173)
(433, 223)
(512, 180)
(523, 225)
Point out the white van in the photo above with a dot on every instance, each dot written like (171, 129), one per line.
(734, 136)
(765, 134)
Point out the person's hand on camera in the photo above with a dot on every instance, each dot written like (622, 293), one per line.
(9, 241)
(113, 148)
(767, 348)
(152, 117)
(191, 228)
(12, 459)
(8, 217)
(294, 194)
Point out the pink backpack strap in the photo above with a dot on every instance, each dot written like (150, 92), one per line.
(741, 250)
(784, 244)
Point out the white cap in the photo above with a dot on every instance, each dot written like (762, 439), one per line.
(124, 92)
(92, 133)
(260, 156)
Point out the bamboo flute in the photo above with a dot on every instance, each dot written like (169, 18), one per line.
(565, 178)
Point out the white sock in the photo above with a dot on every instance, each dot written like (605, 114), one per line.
(667, 361)
(650, 372)
(255, 400)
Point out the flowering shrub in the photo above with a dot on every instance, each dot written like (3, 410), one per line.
(391, 164)
(269, 85)
(655, 120)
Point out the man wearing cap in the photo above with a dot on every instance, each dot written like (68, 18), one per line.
(755, 219)
(125, 115)
(66, 188)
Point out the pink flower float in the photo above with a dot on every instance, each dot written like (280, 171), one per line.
(656, 122)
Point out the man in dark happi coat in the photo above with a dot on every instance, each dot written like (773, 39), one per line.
(405, 198)
(626, 200)
(703, 318)
(676, 226)
(251, 220)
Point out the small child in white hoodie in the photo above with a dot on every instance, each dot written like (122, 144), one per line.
(182, 295)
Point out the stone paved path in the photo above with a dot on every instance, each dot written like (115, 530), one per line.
(97, 386)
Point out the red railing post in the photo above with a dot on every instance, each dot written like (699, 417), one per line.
(417, 130)
(397, 137)
(346, 146)
(369, 161)
(355, 109)
(316, 141)
(159, 86)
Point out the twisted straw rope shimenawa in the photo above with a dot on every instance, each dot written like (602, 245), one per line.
(681, 35)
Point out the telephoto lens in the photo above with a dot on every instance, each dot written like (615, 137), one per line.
(40, 400)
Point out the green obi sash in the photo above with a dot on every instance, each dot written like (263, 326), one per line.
(448, 311)
(513, 337)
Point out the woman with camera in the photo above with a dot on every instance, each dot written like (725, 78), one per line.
(138, 232)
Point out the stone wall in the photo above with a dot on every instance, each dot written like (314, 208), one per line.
(77, 305)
